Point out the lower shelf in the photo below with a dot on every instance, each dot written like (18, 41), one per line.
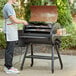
(41, 57)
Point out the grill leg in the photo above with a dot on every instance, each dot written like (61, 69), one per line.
(57, 46)
(21, 68)
(32, 61)
(52, 64)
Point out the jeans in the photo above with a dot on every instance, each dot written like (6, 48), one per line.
(9, 53)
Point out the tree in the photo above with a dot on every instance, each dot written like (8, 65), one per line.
(64, 13)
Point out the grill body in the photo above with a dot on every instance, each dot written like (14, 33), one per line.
(36, 33)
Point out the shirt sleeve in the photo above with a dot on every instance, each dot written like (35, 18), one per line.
(10, 11)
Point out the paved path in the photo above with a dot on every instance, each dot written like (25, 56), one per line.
(43, 67)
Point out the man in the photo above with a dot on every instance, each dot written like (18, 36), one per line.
(11, 33)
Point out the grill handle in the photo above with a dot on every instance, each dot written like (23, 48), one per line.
(51, 25)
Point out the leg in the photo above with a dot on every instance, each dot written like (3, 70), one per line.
(56, 47)
(52, 58)
(24, 57)
(9, 54)
(32, 55)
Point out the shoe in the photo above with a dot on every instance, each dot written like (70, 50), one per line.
(12, 70)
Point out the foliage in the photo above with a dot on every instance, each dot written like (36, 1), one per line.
(69, 41)
(2, 2)
(64, 14)
(2, 40)
(27, 8)
(47, 2)
(65, 19)
(73, 7)
(21, 10)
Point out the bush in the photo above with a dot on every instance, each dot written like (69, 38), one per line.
(2, 40)
(2, 3)
(64, 12)
(69, 41)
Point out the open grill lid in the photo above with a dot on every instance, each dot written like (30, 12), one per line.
(46, 14)
(41, 17)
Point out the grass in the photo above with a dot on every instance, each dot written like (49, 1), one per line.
(20, 26)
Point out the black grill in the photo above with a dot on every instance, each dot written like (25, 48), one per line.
(40, 33)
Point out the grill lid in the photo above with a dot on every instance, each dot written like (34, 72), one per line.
(46, 14)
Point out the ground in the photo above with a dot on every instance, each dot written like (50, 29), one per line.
(39, 49)
(43, 67)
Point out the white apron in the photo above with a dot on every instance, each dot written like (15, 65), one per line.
(10, 30)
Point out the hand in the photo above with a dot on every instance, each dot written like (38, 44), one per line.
(25, 22)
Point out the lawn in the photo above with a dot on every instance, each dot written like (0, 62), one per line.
(20, 26)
